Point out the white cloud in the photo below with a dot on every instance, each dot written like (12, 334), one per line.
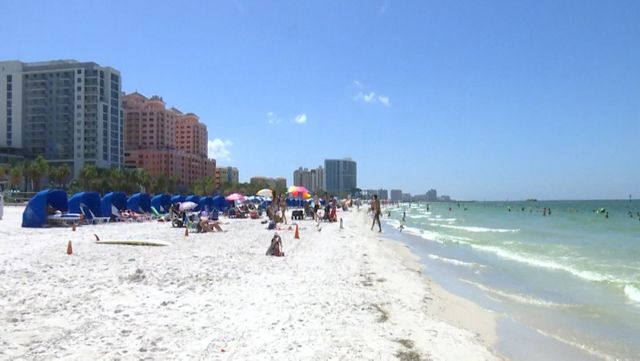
(372, 98)
(219, 149)
(272, 118)
(369, 98)
(300, 118)
(357, 84)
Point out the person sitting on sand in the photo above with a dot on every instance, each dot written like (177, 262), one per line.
(206, 225)
(275, 249)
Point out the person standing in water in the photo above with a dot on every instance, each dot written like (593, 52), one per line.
(404, 214)
(376, 212)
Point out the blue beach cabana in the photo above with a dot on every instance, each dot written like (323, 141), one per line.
(139, 202)
(35, 214)
(87, 203)
(112, 200)
(161, 202)
(220, 203)
(195, 199)
(206, 203)
(177, 199)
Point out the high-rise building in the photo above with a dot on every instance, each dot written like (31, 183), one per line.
(65, 110)
(317, 179)
(340, 175)
(383, 194)
(165, 141)
(225, 175)
(396, 195)
(312, 179)
(432, 195)
(302, 177)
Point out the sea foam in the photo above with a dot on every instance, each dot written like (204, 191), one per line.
(476, 229)
(547, 264)
(632, 293)
(455, 261)
(527, 300)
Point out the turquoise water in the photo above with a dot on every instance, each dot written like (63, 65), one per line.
(572, 277)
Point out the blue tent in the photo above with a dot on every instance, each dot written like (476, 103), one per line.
(207, 203)
(177, 199)
(139, 202)
(35, 214)
(161, 202)
(115, 199)
(295, 202)
(87, 203)
(195, 199)
(220, 203)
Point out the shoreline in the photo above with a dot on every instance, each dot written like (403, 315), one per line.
(337, 294)
(444, 305)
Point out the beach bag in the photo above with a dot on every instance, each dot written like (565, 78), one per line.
(275, 249)
(272, 225)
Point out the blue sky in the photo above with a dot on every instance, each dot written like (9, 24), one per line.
(478, 99)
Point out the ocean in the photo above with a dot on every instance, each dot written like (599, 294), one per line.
(565, 285)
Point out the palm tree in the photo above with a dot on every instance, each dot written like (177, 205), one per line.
(172, 183)
(15, 176)
(116, 179)
(144, 180)
(59, 175)
(160, 184)
(88, 176)
(38, 169)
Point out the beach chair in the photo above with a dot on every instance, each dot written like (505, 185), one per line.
(63, 219)
(98, 220)
(90, 218)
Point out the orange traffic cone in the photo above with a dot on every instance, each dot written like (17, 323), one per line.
(73, 227)
(69, 248)
(186, 231)
(297, 236)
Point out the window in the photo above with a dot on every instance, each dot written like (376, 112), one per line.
(79, 71)
(8, 78)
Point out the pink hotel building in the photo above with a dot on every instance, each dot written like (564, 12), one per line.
(165, 141)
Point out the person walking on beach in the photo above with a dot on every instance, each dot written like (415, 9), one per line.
(376, 212)
(283, 208)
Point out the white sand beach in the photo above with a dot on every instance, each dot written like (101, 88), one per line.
(336, 295)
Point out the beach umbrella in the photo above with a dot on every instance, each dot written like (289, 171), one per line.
(265, 193)
(187, 206)
(297, 191)
(234, 197)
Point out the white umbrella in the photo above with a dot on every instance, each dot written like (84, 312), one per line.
(187, 206)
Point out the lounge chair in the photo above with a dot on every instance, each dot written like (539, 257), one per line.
(63, 219)
(92, 218)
